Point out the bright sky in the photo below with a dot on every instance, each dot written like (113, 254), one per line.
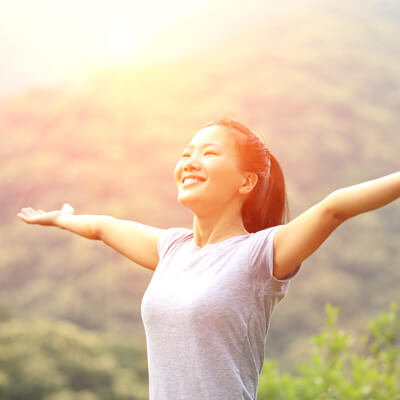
(44, 41)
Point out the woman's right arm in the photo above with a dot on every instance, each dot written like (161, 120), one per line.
(136, 241)
(132, 239)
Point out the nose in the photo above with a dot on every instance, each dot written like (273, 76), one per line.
(191, 164)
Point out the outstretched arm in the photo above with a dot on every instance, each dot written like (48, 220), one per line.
(132, 239)
(367, 196)
(83, 225)
(302, 236)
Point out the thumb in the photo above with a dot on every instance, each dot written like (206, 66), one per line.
(67, 208)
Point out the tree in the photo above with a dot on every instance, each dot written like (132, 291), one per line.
(43, 360)
(342, 365)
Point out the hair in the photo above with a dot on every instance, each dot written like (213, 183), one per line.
(267, 203)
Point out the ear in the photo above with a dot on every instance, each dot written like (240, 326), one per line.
(250, 180)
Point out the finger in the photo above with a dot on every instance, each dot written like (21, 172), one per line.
(67, 208)
(27, 211)
(33, 219)
(24, 217)
(30, 212)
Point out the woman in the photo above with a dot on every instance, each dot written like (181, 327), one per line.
(207, 309)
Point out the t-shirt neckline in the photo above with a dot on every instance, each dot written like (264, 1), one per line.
(217, 243)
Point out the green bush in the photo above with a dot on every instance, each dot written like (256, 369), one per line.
(44, 360)
(59, 361)
(342, 365)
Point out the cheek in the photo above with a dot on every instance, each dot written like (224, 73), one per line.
(176, 178)
(225, 176)
(177, 170)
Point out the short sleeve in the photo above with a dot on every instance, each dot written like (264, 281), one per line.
(261, 255)
(169, 239)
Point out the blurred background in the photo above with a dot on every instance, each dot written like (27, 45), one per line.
(97, 101)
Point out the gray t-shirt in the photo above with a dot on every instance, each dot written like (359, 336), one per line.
(206, 314)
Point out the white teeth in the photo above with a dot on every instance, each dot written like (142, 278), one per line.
(189, 181)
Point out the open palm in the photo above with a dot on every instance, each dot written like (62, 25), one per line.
(31, 216)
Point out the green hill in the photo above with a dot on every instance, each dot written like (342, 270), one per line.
(320, 83)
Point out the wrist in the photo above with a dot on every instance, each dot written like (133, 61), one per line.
(61, 219)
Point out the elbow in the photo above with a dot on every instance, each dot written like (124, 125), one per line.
(100, 226)
(332, 202)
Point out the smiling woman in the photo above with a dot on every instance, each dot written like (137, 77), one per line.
(218, 170)
(226, 146)
(207, 309)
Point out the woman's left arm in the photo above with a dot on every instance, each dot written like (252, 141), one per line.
(367, 196)
(302, 236)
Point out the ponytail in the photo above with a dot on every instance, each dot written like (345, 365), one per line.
(267, 204)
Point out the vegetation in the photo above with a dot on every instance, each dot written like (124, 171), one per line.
(343, 365)
(43, 360)
(320, 83)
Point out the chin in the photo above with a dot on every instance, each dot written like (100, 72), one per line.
(185, 200)
(189, 202)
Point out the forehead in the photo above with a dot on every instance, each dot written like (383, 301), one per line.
(218, 135)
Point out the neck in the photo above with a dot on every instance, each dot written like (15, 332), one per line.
(214, 227)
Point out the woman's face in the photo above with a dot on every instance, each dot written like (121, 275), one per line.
(211, 159)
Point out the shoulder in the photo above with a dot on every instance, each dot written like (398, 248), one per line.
(172, 237)
(262, 241)
(262, 250)
(261, 258)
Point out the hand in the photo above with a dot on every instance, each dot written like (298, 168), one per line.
(30, 216)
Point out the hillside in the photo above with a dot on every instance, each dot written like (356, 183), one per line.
(322, 87)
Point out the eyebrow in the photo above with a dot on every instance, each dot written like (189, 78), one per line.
(204, 145)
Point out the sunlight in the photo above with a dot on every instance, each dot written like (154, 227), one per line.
(120, 45)
(45, 41)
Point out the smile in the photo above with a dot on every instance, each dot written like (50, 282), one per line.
(191, 182)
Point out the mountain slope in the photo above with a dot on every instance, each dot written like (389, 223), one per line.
(321, 84)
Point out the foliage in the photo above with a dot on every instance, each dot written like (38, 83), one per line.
(320, 83)
(343, 365)
(40, 360)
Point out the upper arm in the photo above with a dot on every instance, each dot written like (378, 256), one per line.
(132, 239)
(302, 236)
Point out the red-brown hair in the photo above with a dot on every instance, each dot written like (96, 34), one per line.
(267, 204)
